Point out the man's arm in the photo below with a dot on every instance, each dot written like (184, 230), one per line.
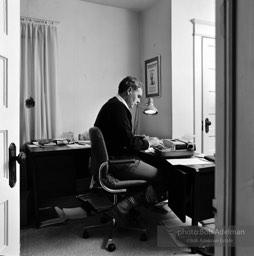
(131, 141)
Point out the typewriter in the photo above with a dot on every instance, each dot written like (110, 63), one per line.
(175, 148)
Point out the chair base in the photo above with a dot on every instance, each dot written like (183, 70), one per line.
(105, 221)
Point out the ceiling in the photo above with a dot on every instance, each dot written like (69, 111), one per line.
(137, 5)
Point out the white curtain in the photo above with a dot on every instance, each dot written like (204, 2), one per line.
(39, 81)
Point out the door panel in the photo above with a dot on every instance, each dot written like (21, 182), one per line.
(209, 94)
(9, 124)
(204, 79)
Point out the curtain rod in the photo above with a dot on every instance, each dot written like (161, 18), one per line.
(39, 20)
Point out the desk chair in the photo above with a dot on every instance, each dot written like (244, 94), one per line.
(100, 165)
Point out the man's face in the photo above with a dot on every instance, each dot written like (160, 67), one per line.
(134, 97)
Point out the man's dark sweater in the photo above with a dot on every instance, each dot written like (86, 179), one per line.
(114, 120)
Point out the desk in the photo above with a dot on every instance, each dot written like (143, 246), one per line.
(54, 171)
(190, 189)
(191, 186)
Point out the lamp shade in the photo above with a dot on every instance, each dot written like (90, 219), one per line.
(150, 109)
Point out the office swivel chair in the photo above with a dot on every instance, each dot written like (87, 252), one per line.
(100, 165)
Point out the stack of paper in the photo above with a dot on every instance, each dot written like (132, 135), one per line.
(74, 213)
(51, 215)
(189, 161)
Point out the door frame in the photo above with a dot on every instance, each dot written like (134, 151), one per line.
(225, 188)
(201, 29)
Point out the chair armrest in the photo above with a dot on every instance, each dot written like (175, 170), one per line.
(106, 164)
(114, 185)
(122, 161)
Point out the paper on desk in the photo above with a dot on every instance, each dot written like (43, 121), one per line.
(32, 146)
(149, 150)
(78, 146)
(187, 137)
(188, 161)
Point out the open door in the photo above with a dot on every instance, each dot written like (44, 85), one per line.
(204, 85)
(9, 127)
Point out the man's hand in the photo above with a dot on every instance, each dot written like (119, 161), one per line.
(154, 142)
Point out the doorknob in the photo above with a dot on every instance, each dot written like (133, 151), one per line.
(207, 124)
(12, 163)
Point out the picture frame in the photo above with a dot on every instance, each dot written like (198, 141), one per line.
(152, 77)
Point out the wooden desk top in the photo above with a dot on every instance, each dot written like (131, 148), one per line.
(34, 149)
(194, 162)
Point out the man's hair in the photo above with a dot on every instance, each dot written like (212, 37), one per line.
(129, 82)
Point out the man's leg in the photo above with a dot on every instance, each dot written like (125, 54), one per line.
(157, 175)
(143, 171)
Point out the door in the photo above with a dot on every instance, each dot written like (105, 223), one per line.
(9, 125)
(209, 93)
(204, 85)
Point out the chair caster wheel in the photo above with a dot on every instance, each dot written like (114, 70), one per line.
(85, 234)
(143, 237)
(111, 247)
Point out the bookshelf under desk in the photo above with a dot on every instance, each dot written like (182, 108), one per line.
(56, 172)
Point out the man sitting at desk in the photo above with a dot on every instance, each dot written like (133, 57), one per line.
(115, 122)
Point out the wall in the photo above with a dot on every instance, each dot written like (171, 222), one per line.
(182, 60)
(98, 46)
(157, 41)
(167, 31)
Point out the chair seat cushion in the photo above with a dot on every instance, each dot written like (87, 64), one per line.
(114, 183)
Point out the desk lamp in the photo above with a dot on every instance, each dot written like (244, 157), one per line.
(150, 109)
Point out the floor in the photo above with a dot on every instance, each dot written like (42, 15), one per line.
(66, 239)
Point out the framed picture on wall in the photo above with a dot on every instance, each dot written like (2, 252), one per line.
(152, 77)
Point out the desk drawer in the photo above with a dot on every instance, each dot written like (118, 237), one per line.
(199, 191)
(55, 176)
(177, 193)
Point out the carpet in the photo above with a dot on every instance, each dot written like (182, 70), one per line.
(66, 239)
(185, 235)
